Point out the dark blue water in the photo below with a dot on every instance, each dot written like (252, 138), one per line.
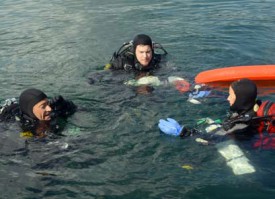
(112, 147)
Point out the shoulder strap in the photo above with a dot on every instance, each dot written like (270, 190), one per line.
(157, 46)
(122, 58)
(8, 113)
(126, 47)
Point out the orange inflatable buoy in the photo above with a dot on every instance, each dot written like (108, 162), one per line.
(230, 74)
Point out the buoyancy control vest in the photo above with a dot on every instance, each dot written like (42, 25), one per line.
(266, 112)
(266, 128)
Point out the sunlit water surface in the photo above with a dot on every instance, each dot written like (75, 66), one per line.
(112, 147)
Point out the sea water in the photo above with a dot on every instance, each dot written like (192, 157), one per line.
(112, 147)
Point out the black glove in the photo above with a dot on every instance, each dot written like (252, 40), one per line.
(62, 107)
(188, 132)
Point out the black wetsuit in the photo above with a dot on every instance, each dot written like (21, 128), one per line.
(240, 126)
(61, 109)
(128, 62)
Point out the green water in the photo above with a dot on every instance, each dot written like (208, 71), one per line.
(112, 147)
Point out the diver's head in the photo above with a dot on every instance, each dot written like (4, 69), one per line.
(242, 95)
(34, 104)
(143, 49)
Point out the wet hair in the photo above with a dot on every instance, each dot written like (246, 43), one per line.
(28, 99)
(142, 39)
(246, 94)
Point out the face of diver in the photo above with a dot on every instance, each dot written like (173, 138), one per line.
(232, 97)
(144, 54)
(42, 110)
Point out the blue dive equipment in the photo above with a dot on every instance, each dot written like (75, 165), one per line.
(170, 126)
(199, 94)
(199, 91)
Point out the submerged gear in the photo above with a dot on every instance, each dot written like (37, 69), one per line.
(28, 99)
(26, 134)
(235, 157)
(125, 58)
(246, 94)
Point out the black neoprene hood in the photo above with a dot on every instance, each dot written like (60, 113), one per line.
(246, 94)
(28, 99)
(142, 39)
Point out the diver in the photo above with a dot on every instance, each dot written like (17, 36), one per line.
(137, 55)
(140, 58)
(248, 117)
(37, 115)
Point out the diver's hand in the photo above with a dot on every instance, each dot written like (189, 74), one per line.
(56, 99)
(170, 127)
(61, 106)
(56, 102)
